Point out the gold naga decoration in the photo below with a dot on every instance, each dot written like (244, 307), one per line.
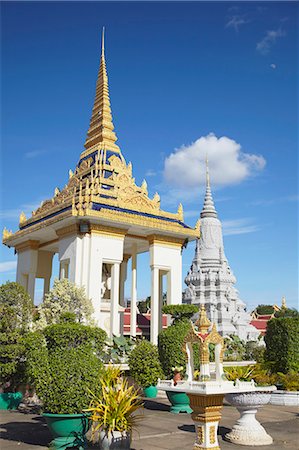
(6, 234)
(22, 218)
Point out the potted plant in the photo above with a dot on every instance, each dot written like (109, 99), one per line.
(113, 411)
(180, 401)
(145, 367)
(63, 363)
(15, 317)
(247, 430)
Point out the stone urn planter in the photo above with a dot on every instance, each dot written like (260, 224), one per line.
(116, 440)
(247, 430)
(285, 398)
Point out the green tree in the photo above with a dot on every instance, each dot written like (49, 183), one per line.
(286, 312)
(264, 309)
(64, 297)
(282, 344)
(16, 309)
(20, 304)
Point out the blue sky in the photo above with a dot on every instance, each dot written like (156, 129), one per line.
(184, 78)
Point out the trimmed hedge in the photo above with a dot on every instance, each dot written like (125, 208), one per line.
(144, 364)
(70, 335)
(63, 364)
(180, 312)
(282, 344)
(170, 342)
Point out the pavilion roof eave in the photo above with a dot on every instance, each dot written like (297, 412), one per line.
(131, 221)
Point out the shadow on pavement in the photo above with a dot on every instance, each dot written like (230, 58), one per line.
(156, 406)
(189, 428)
(34, 433)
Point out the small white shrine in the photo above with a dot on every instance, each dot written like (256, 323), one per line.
(98, 221)
(210, 280)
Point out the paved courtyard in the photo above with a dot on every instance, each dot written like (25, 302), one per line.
(159, 430)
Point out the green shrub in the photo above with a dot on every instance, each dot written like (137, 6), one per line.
(287, 312)
(144, 364)
(73, 335)
(282, 344)
(64, 297)
(234, 348)
(63, 365)
(16, 309)
(254, 351)
(11, 352)
(72, 374)
(264, 309)
(289, 381)
(170, 343)
(180, 312)
(14, 296)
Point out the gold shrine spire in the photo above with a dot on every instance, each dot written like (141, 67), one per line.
(101, 126)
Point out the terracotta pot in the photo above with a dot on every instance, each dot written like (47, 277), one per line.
(177, 377)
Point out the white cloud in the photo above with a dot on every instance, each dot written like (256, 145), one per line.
(14, 214)
(235, 22)
(270, 38)
(185, 167)
(238, 226)
(34, 153)
(150, 173)
(273, 66)
(8, 266)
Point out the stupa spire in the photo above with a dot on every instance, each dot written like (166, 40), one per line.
(208, 209)
(101, 126)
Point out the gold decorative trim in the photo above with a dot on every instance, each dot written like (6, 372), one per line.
(212, 436)
(65, 231)
(165, 240)
(107, 231)
(30, 244)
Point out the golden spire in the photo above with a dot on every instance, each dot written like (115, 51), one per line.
(101, 127)
(283, 302)
(203, 322)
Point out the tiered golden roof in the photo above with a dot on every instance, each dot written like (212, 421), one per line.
(102, 184)
(101, 126)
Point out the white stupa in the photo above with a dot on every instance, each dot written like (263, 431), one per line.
(210, 281)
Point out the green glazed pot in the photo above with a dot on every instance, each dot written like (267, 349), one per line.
(10, 400)
(150, 391)
(68, 430)
(180, 402)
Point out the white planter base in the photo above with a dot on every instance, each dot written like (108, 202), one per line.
(247, 430)
(285, 398)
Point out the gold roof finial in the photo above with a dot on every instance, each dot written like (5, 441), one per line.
(203, 322)
(181, 212)
(6, 234)
(101, 126)
(283, 302)
(103, 41)
(22, 218)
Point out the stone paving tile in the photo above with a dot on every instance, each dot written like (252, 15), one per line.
(160, 430)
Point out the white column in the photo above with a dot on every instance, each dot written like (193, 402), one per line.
(155, 305)
(114, 313)
(123, 277)
(160, 301)
(133, 318)
(31, 284)
(46, 285)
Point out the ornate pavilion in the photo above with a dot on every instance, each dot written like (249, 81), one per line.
(97, 222)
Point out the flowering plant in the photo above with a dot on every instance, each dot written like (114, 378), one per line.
(177, 369)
